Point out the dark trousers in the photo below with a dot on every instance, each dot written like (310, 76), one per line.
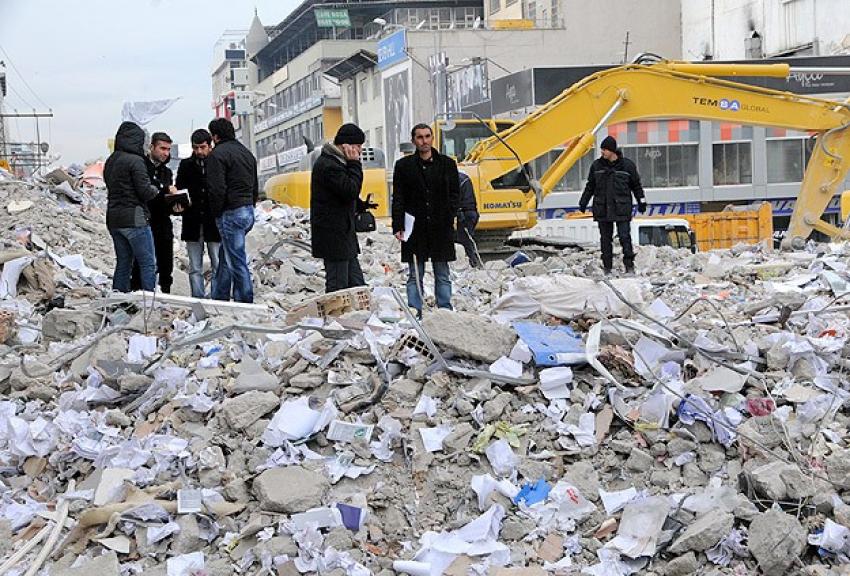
(465, 230)
(163, 244)
(342, 274)
(606, 235)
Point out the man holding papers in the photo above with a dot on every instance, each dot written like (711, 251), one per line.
(426, 196)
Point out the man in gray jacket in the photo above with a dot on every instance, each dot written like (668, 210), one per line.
(129, 190)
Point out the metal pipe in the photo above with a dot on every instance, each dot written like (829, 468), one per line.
(763, 70)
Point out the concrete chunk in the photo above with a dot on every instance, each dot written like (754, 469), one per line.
(469, 335)
(106, 565)
(241, 411)
(704, 533)
(290, 490)
(776, 540)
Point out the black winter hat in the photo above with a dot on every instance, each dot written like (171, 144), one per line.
(609, 143)
(349, 134)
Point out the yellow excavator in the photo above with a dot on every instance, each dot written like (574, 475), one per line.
(653, 88)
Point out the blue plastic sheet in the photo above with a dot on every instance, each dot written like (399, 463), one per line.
(533, 493)
(547, 341)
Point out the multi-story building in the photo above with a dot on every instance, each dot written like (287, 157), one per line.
(235, 74)
(297, 99)
(420, 71)
(739, 29)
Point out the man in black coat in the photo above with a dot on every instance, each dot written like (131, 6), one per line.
(127, 214)
(156, 162)
(612, 181)
(426, 186)
(467, 220)
(233, 192)
(334, 202)
(199, 227)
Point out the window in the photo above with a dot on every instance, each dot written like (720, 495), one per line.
(665, 166)
(495, 5)
(531, 10)
(787, 160)
(576, 176)
(379, 137)
(733, 163)
(364, 90)
(510, 2)
(376, 84)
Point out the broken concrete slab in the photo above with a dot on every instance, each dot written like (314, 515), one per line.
(469, 335)
(290, 490)
(106, 565)
(241, 411)
(776, 540)
(704, 532)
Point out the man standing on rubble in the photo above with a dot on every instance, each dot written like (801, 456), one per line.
(611, 183)
(199, 226)
(161, 177)
(334, 203)
(129, 190)
(426, 186)
(467, 220)
(233, 193)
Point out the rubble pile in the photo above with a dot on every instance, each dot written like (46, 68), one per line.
(687, 420)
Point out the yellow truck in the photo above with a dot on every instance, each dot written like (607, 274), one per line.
(734, 225)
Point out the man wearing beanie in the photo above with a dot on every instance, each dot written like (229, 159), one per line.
(334, 202)
(612, 181)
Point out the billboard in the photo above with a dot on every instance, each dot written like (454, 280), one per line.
(467, 86)
(392, 49)
(398, 111)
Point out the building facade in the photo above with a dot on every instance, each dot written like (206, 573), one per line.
(738, 29)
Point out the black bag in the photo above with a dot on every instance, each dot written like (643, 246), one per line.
(364, 222)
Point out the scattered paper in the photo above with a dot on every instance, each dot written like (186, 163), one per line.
(426, 405)
(318, 517)
(640, 527)
(433, 438)
(553, 382)
(185, 564)
(616, 501)
(296, 420)
(189, 501)
(502, 459)
(484, 485)
(341, 431)
(504, 366)
(141, 348)
(11, 274)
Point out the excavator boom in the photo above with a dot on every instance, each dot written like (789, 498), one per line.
(676, 90)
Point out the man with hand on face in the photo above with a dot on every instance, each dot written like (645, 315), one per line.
(199, 228)
(156, 161)
(334, 203)
(612, 181)
(426, 186)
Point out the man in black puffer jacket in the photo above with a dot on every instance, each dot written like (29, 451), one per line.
(127, 215)
(334, 202)
(233, 192)
(612, 181)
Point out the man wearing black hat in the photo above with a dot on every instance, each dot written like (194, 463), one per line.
(612, 181)
(334, 202)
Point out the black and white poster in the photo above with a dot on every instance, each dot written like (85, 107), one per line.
(398, 111)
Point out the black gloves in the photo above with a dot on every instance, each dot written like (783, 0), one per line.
(582, 208)
(460, 217)
(369, 204)
(642, 206)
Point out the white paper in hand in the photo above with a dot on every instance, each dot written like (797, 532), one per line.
(409, 220)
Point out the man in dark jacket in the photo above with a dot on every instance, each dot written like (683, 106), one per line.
(156, 162)
(467, 220)
(426, 186)
(127, 215)
(199, 227)
(233, 193)
(612, 181)
(334, 202)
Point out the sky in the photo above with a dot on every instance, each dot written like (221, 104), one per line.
(83, 59)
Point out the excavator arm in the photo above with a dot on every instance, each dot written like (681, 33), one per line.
(678, 90)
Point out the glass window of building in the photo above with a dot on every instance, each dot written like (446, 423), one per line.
(787, 159)
(732, 163)
(363, 88)
(495, 5)
(665, 166)
(376, 84)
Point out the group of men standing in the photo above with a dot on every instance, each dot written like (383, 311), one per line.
(220, 178)
(433, 206)
(426, 191)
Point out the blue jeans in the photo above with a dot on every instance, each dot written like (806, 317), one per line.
(233, 278)
(133, 244)
(196, 265)
(442, 285)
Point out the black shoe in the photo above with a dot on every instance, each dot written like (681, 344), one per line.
(607, 271)
(630, 269)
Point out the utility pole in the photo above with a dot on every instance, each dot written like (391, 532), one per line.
(626, 49)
